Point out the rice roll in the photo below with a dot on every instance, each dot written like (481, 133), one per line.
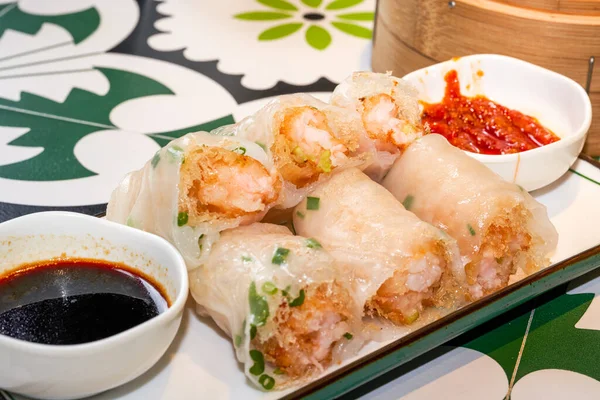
(195, 187)
(389, 110)
(276, 296)
(307, 139)
(500, 229)
(395, 263)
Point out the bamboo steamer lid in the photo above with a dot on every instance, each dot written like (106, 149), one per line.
(560, 35)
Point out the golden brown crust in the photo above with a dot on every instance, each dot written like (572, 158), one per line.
(295, 340)
(392, 300)
(202, 179)
(382, 134)
(497, 239)
(295, 164)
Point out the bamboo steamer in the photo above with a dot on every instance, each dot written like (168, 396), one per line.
(560, 35)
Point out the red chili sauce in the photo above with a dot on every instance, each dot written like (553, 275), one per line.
(479, 125)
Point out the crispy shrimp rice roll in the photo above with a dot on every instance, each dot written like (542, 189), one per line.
(395, 262)
(307, 139)
(276, 296)
(500, 228)
(389, 110)
(195, 187)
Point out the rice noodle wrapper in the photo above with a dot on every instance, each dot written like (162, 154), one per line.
(344, 141)
(147, 199)
(372, 237)
(389, 109)
(254, 275)
(489, 217)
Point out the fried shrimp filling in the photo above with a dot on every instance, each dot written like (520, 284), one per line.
(400, 298)
(383, 122)
(306, 147)
(305, 336)
(215, 182)
(504, 249)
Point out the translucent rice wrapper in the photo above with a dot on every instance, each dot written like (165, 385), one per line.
(373, 96)
(249, 286)
(372, 236)
(148, 199)
(471, 203)
(266, 124)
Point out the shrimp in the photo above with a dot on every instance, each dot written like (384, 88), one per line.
(217, 183)
(385, 125)
(388, 110)
(401, 297)
(306, 147)
(504, 244)
(306, 335)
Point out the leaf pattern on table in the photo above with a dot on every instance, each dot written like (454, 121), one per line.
(543, 338)
(165, 137)
(57, 127)
(316, 35)
(79, 24)
(556, 384)
(502, 343)
(553, 338)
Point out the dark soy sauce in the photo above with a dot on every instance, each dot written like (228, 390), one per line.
(75, 301)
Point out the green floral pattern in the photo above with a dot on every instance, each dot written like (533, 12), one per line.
(316, 34)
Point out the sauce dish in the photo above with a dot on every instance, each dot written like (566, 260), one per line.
(75, 371)
(557, 102)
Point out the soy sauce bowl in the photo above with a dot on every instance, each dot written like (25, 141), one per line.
(557, 102)
(74, 371)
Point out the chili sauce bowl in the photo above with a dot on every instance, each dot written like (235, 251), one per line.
(557, 102)
(74, 371)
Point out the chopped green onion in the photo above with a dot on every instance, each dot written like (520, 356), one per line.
(266, 382)
(299, 214)
(252, 332)
(471, 230)
(280, 255)
(298, 301)
(259, 308)
(176, 153)
(200, 241)
(240, 338)
(407, 203)
(411, 318)
(130, 222)
(182, 218)
(269, 288)
(246, 259)
(313, 244)
(312, 203)
(240, 150)
(286, 291)
(325, 161)
(299, 153)
(262, 145)
(259, 362)
(348, 335)
(278, 371)
(155, 160)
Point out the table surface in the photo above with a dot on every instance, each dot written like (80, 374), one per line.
(90, 89)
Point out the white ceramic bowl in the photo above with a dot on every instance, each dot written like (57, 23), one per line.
(75, 371)
(559, 103)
